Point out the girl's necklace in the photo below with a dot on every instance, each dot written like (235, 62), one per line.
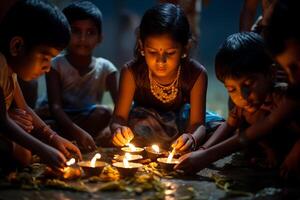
(164, 93)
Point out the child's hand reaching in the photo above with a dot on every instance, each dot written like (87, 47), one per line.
(65, 146)
(52, 157)
(85, 141)
(22, 118)
(184, 143)
(291, 164)
(194, 161)
(122, 136)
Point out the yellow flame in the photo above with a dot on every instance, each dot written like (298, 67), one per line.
(155, 148)
(128, 156)
(93, 161)
(170, 157)
(132, 147)
(71, 161)
(125, 162)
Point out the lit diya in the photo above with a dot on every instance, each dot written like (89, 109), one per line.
(129, 157)
(153, 152)
(168, 163)
(71, 171)
(93, 167)
(126, 168)
(132, 149)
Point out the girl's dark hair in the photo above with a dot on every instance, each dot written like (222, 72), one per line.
(283, 25)
(82, 10)
(37, 22)
(242, 54)
(164, 18)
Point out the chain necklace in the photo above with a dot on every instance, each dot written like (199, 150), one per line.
(164, 93)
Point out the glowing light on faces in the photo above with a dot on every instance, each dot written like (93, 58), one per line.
(93, 161)
(71, 161)
(155, 148)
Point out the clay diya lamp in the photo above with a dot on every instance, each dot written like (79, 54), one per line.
(93, 167)
(72, 171)
(129, 157)
(153, 152)
(132, 149)
(126, 168)
(168, 163)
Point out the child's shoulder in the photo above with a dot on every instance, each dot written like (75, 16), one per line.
(104, 64)
(2, 61)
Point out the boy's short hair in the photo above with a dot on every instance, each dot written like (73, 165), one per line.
(81, 10)
(242, 54)
(283, 25)
(37, 22)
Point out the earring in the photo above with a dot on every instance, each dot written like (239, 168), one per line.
(142, 53)
(183, 55)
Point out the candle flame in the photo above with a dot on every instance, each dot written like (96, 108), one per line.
(71, 161)
(128, 156)
(93, 161)
(132, 147)
(125, 162)
(170, 157)
(155, 148)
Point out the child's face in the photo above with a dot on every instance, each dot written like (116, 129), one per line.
(290, 61)
(31, 65)
(162, 55)
(248, 92)
(85, 37)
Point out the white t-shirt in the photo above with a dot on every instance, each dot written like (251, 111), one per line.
(82, 92)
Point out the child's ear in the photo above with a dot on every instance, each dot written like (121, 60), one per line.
(16, 46)
(187, 48)
(141, 46)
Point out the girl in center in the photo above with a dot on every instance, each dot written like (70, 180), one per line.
(162, 92)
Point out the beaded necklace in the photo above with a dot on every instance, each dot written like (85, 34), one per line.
(164, 93)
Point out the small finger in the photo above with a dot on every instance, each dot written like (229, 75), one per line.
(121, 138)
(186, 146)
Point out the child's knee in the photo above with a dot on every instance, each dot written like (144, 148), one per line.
(103, 112)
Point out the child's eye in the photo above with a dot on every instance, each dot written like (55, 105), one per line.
(171, 53)
(75, 31)
(92, 32)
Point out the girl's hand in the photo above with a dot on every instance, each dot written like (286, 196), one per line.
(52, 157)
(22, 118)
(122, 136)
(65, 146)
(184, 143)
(85, 141)
(291, 164)
(193, 162)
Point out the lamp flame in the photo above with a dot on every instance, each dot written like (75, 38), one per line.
(128, 156)
(155, 148)
(93, 161)
(132, 147)
(71, 162)
(170, 157)
(125, 162)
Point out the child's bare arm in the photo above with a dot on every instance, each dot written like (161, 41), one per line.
(112, 84)
(278, 117)
(42, 131)
(83, 139)
(195, 131)
(18, 135)
(122, 134)
(222, 133)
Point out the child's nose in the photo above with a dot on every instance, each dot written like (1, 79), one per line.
(162, 58)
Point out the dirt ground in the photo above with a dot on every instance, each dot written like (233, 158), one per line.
(229, 178)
